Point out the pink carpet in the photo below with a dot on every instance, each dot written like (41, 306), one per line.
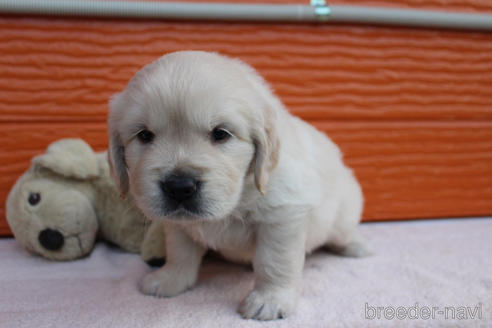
(443, 266)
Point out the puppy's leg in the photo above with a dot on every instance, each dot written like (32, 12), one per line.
(153, 248)
(182, 264)
(346, 240)
(278, 264)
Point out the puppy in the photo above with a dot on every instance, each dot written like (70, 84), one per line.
(202, 143)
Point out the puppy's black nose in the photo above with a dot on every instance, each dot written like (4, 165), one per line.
(51, 239)
(179, 187)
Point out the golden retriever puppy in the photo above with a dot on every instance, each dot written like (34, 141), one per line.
(202, 143)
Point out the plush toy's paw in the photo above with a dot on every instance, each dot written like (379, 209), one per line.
(268, 305)
(164, 283)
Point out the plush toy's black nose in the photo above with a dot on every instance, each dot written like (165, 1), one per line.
(179, 187)
(51, 239)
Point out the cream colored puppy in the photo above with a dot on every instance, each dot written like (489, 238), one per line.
(201, 142)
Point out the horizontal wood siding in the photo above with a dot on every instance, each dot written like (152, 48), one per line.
(410, 108)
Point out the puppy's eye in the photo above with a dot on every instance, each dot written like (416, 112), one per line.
(220, 135)
(34, 198)
(145, 136)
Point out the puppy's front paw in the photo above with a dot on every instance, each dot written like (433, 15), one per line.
(164, 283)
(268, 305)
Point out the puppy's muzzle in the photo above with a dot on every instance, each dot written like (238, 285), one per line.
(180, 188)
(181, 194)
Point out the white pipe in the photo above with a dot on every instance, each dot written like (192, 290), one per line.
(407, 17)
(162, 10)
(251, 12)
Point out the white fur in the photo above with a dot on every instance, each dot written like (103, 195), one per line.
(275, 191)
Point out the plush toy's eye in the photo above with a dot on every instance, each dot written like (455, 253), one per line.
(145, 136)
(220, 135)
(34, 198)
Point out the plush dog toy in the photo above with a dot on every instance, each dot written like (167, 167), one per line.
(67, 199)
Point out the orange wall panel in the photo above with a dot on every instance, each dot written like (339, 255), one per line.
(434, 169)
(65, 69)
(410, 108)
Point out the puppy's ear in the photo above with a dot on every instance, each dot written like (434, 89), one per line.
(116, 152)
(267, 146)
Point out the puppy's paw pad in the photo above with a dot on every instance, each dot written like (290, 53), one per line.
(162, 283)
(266, 306)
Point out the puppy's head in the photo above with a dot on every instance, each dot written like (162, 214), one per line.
(191, 133)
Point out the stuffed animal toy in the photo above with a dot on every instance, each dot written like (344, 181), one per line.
(67, 200)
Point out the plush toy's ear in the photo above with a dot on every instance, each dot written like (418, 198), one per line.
(267, 146)
(72, 158)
